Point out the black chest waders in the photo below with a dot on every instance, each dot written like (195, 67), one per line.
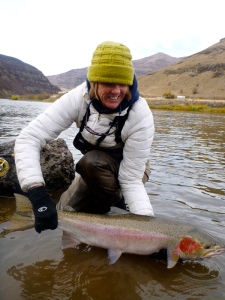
(84, 146)
(96, 187)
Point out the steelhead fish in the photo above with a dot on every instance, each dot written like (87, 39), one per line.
(124, 232)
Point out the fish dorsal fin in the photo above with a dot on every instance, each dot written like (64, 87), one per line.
(69, 241)
(117, 211)
(113, 255)
(68, 208)
(172, 258)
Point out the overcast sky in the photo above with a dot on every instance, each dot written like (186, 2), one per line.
(57, 36)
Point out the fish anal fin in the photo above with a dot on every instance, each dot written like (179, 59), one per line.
(69, 241)
(68, 208)
(172, 258)
(113, 255)
(117, 211)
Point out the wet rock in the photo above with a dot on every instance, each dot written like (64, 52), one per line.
(56, 162)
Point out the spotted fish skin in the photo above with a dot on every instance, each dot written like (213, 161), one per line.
(123, 232)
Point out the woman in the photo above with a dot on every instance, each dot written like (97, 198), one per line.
(116, 132)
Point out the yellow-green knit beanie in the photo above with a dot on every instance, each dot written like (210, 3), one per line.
(111, 62)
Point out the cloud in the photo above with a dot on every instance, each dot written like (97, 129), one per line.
(57, 36)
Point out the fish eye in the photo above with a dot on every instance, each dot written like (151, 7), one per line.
(207, 246)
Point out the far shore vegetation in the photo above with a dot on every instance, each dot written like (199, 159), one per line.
(178, 107)
(39, 97)
(189, 107)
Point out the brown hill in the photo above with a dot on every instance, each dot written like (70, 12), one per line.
(142, 66)
(196, 76)
(19, 78)
(69, 79)
(153, 63)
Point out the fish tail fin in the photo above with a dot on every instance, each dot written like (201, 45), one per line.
(22, 218)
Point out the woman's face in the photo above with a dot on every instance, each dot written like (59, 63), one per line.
(111, 94)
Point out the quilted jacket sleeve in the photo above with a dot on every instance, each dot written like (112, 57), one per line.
(46, 127)
(138, 135)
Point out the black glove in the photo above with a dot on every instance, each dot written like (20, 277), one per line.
(44, 209)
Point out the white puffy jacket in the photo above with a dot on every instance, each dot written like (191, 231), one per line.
(137, 134)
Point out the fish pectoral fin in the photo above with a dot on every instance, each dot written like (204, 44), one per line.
(69, 241)
(113, 255)
(172, 258)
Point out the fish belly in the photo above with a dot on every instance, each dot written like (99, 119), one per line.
(112, 237)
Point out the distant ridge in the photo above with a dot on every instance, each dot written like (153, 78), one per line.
(70, 79)
(153, 63)
(19, 78)
(142, 66)
(201, 75)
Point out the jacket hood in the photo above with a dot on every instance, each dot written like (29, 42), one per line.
(123, 105)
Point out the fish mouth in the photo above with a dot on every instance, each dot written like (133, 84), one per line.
(214, 253)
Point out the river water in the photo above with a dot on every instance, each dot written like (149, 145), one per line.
(187, 183)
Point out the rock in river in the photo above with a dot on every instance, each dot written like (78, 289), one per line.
(56, 162)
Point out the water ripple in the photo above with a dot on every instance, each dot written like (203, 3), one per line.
(187, 184)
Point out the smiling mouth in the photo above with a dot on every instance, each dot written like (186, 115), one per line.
(114, 98)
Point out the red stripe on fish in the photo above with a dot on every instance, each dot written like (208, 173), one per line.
(109, 231)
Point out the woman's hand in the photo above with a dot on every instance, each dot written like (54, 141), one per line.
(44, 209)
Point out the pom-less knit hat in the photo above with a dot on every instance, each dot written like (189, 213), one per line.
(111, 62)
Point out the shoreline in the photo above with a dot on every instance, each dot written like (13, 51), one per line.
(197, 105)
(200, 105)
(163, 101)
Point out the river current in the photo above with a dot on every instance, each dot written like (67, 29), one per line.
(187, 183)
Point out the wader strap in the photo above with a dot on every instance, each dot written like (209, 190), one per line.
(122, 120)
(115, 122)
(83, 121)
(118, 121)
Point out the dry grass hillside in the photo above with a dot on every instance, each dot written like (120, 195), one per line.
(196, 76)
(19, 78)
